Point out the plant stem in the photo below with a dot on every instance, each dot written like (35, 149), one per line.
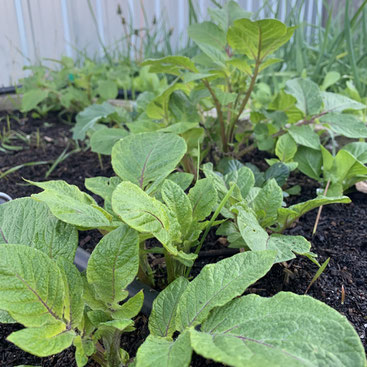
(210, 224)
(245, 100)
(145, 273)
(320, 210)
(169, 266)
(220, 115)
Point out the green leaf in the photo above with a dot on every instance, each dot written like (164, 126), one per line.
(73, 283)
(258, 38)
(87, 119)
(103, 140)
(219, 283)
(142, 158)
(107, 89)
(267, 203)
(178, 202)
(307, 94)
(347, 125)
(163, 316)
(287, 246)
(285, 330)
(358, 151)
(5, 318)
(182, 179)
(309, 162)
(279, 171)
(157, 351)
(170, 65)
(31, 286)
(305, 135)
(345, 170)
(130, 308)
(268, 63)
(285, 148)
(144, 213)
(71, 205)
(32, 98)
(338, 103)
(203, 198)
(43, 341)
(28, 222)
(243, 177)
(210, 39)
(330, 79)
(103, 187)
(251, 231)
(114, 264)
(286, 216)
(84, 348)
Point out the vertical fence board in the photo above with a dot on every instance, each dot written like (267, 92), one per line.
(66, 27)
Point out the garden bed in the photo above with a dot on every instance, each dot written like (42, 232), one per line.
(341, 236)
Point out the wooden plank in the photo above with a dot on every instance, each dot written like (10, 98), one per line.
(11, 60)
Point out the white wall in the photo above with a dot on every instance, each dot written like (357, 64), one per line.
(32, 30)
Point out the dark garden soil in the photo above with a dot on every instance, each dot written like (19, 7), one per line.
(341, 235)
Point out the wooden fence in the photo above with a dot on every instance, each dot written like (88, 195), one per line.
(34, 30)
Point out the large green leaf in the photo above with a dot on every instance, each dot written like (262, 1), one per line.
(143, 212)
(287, 247)
(28, 222)
(143, 158)
(32, 98)
(286, 216)
(309, 162)
(305, 135)
(285, 148)
(163, 316)
(177, 201)
(218, 283)
(347, 125)
(103, 140)
(285, 330)
(251, 231)
(31, 286)
(334, 102)
(114, 264)
(203, 198)
(43, 341)
(307, 94)
(157, 351)
(258, 38)
(71, 205)
(87, 119)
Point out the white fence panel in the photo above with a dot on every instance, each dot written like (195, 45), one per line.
(32, 30)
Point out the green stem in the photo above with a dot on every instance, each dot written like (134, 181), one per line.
(245, 100)
(170, 266)
(210, 224)
(145, 273)
(220, 115)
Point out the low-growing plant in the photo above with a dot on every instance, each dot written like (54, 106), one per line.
(258, 216)
(70, 89)
(59, 307)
